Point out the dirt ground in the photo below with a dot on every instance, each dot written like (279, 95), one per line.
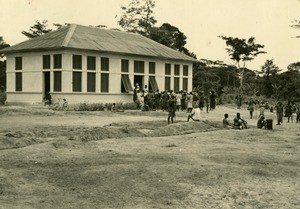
(136, 160)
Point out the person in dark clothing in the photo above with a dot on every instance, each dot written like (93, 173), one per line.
(261, 123)
(298, 115)
(47, 99)
(183, 101)
(171, 109)
(201, 101)
(288, 113)
(212, 99)
(251, 107)
(238, 99)
(279, 113)
(157, 96)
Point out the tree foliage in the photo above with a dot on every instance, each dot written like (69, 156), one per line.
(138, 17)
(294, 67)
(39, 28)
(242, 51)
(168, 35)
(269, 69)
(3, 45)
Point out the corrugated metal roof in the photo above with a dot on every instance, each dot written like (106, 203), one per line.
(97, 39)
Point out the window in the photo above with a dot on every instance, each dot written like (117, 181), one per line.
(104, 64)
(167, 69)
(125, 84)
(46, 61)
(176, 84)
(125, 66)
(18, 63)
(91, 63)
(57, 61)
(153, 84)
(57, 81)
(167, 83)
(18, 81)
(77, 61)
(76, 81)
(104, 82)
(176, 69)
(139, 66)
(185, 84)
(91, 82)
(185, 70)
(151, 67)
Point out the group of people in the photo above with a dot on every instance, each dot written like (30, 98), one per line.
(195, 102)
(238, 122)
(149, 100)
(290, 111)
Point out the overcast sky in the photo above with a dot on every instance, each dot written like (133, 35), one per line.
(202, 21)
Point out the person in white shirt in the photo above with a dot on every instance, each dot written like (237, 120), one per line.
(195, 114)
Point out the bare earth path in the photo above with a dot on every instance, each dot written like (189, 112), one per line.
(135, 160)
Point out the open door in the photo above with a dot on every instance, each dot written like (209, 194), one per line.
(46, 82)
(139, 79)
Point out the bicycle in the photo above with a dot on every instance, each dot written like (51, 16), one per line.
(61, 104)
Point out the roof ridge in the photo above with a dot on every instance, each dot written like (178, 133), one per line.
(69, 35)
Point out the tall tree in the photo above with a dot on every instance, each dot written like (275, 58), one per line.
(3, 45)
(168, 35)
(242, 51)
(39, 28)
(138, 17)
(269, 70)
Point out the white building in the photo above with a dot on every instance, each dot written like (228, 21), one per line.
(90, 64)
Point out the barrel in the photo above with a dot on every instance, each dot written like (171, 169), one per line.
(269, 124)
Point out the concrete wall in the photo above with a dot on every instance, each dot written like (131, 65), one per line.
(33, 83)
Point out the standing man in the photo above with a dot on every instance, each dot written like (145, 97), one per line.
(279, 113)
(171, 108)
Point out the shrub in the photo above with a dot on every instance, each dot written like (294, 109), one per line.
(104, 106)
(129, 106)
(2, 97)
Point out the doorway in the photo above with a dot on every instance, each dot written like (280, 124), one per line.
(46, 82)
(139, 79)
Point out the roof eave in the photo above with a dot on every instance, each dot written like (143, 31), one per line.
(192, 60)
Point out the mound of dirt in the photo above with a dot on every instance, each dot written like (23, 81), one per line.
(25, 137)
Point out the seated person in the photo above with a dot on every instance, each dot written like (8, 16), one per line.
(261, 123)
(113, 107)
(47, 98)
(226, 123)
(117, 108)
(195, 114)
(238, 122)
